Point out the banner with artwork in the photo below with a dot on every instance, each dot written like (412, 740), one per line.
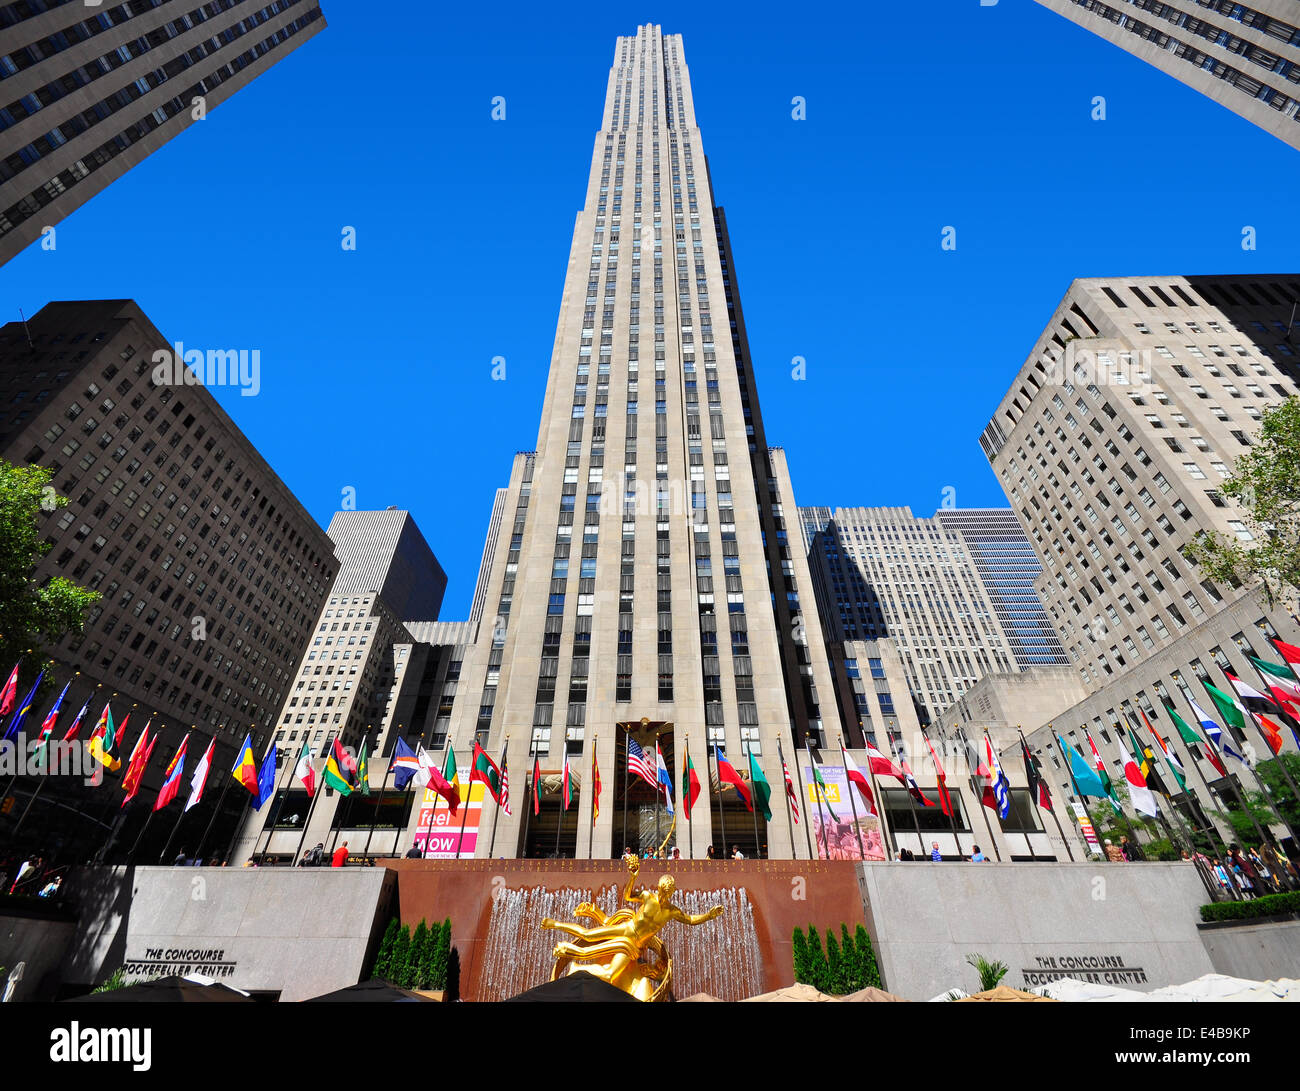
(446, 836)
(831, 821)
(1085, 824)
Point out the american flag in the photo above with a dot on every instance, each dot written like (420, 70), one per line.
(639, 765)
(789, 789)
(505, 786)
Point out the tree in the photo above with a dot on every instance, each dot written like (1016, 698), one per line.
(384, 959)
(1265, 485)
(990, 973)
(800, 955)
(421, 958)
(870, 972)
(1279, 790)
(441, 955)
(834, 967)
(400, 956)
(818, 971)
(32, 615)
(849, 960)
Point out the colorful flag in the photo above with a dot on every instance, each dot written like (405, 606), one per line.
(1290, 653)
(1034, 778)
(1171, 760)
(305, 772)
(1272, 733)
(1250, 698)
(340, 769)
(484, 769)
(16, 724)
(505, 784)
(1279, 676)
(71, 733)
(10, 693)
(564, 793)
(663, 779)
(690, 785)
(1213, 731)
(595, 785)
(1190, 738)
(1103, 774)
(1145, 762)
(404, 766)
(638, 764)
(266, 776)
(761, 789)
(855, 777)
(728, 775)
(1086, 780)
(1229, 708)
(363, 768)
(1138, 792)
(200, 779)
(820, 792)
(172, 777)
(140, 756)
(790, 793)
(537, 781)
(883, 766)
(47, 728)
(245, 770)
(1001, 786)
(945, 801)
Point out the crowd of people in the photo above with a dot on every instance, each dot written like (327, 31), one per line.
(1248, 874)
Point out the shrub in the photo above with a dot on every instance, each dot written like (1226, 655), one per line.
(800, 955)
(869, 971)
(383, 967)
(419, 961)
(1267, 906)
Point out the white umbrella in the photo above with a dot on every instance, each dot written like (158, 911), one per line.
(1219, 987)
(1075, 991)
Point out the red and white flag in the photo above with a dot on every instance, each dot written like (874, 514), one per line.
(858, 777)
(882, 766)
(566, 781)
(200, 778)
(1138, 792)
(10, 693)
(305, 771)
(790, 793)
(505, 786)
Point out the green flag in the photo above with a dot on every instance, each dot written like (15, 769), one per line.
(1184, 731)
(819, 783)
(363, 771)
(761, 789)
(1227, 707)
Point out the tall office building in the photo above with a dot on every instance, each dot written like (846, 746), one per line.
(884, 572)
(644, 584)
(88, 91)
(212, 573)
(1244, 56)
(1111, 442)
(1008, 566)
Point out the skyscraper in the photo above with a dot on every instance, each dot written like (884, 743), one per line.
(1244, 56)
(1131, 409)
(644, 583)
(88, 91)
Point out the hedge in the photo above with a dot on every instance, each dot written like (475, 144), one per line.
(1267, 906)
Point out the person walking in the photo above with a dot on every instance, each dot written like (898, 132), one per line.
(1114, 853)
(935, 854)
(736, 854)
(341, 855)
(977, 857)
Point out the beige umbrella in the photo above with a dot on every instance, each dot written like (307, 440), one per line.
(1005, 992)
(872, 995)
(699, 998)
(792, 994)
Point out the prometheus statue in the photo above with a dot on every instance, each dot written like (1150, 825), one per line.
(624, 948)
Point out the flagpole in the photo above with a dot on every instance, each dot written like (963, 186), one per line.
(198, 853)
(492, 844)
(1231, 778)
(428, 831)
(1295, 791)
(658, 793)
(379, 803)
(1038, 772)
(1213, 796)
(559, 821)
(1172, 823)
(780, 753)
(1254, 772)
(686, 794)
(591, 828)
(853, 803)
(911, 800)
(1060, 745)
(41, 779)
(311, 807)
(177, 824)
(279, 806)
(749, 761)
(803, 792)
(988, 742)
(722, 815)
(235, 834)
(529, 789)
(625, 759)
(130, 856)
(952, 818)
(979, 795)
(818, 793)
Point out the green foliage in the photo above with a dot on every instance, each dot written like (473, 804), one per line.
(818, 971)
(800, 955)
(115, 980)
(868, 970)
(419, 968)
(835, 979)
(32, 615)
(1265, 485)
(441, 956)
(1270, 772)
(383, 968)
(990, 973)
(1266, 906)
(1162, 849)
(401, 957)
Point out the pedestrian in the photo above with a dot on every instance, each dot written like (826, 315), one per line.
(1127, 850)
(976, 856)
(180, 859)
(736, 854)
(677, 853)
(711, 854)
(1221, 877)
(341, 855)
(1243, 869)
(52, 888)
(935, 854)
(1113, 852)
(413, 853)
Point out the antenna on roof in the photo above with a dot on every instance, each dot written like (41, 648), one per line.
(29, 332)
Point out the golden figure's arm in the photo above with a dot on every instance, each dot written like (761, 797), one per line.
(633, 867)
(699, 918)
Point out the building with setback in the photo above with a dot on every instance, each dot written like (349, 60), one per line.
(211, 572)
(88, 91)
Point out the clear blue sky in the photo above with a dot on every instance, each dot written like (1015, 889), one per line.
(957, 115)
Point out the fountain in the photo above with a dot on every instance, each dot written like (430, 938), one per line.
(721, 959)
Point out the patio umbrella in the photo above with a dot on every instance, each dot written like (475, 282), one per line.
(169, 990)
(374, 991)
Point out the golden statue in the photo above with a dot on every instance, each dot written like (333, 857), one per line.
(615, 949)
